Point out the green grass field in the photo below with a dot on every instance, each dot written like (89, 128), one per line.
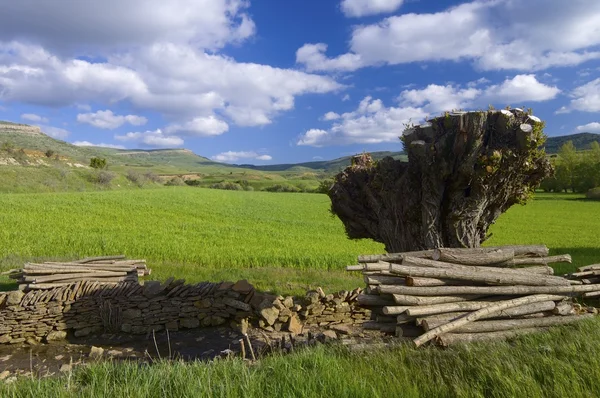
(286, 243)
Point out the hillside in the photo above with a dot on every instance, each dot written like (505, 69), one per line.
(581, 141)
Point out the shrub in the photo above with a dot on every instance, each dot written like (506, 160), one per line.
(135, 177)
(324, 186)
(175, 182)
(49, 153)
(230, 186)
(150, 176)
(282, 188)
(593, 194)
(104, 177)
(7, 147)
(98, 163)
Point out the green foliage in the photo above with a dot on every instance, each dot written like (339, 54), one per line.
(229, 186)
(50, 153)
(575, 171)
(7, 147)
(282, 188)
(175, 182)
(324, 186)
(98, 163)
(102, 177)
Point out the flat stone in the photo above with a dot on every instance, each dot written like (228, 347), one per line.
(131, 314)
(5, 339)
(65, 368)
(288, 302)
(189, 323)
(330, 334)
(56, 335)
(173, 326)
(96, 352)
(343, 329)
(14, 298)
(240, 305)
(294, 325)
(242, 286)
(270, 315)
(4, 374)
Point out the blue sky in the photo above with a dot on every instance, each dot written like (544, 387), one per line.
(273, 81)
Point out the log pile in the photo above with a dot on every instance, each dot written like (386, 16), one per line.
(461, 295)
(109, 270)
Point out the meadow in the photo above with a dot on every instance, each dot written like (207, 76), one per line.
(287, 243)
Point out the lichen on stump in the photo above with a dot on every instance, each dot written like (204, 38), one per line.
(464, 169)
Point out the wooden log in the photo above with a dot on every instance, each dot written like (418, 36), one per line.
(377, 273)
(563, 258)
(422, 282)
(581, 274)
(511, 324)
(384, 280)
(374, 300)
(402, 299)
(518, 250)
(486, 290)
(564, 309)
(591, 294)
(447, 307)
(374, 258)
(359, 267)
(448, 339)
(423, 262)
(591, 267)
(59, 277)
(433, 321)
(100, 258)
(475, 275)
(591, 281)
(473, 258)
(492, 309)
(394, 309)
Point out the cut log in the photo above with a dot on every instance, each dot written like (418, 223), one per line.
(511, 324)
(476, 275)
(486, 258)
(591, 267)
(563, 258)
(374, 300)
(59, 277)
(402, 299)
(493, 309)
(355, 267)
(564, 309)
(433, 321)
(486, 290)
(374, 258)
(421, 282)
(447, 307)
(407, 330)
(395, 309)
(448, 339)
(384, 280)
(582, 274)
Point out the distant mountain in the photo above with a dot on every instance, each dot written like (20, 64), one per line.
(581, 141)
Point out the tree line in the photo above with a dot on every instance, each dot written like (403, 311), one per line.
(575, 171)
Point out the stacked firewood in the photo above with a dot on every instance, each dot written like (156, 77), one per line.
(460, 295)
(108, 269)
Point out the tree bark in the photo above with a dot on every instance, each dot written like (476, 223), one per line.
(448, 339)
(402, 299)
(486, 258)
(463, 171)
(511, 324)
(422, 282)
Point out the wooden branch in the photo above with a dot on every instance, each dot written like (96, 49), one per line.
(422, 282)
(542, 308)
(473, 258)
(492, 309)
(374, 258)
(563, 258)
(447, 307)
(591, 267)
(374, 300)
(359, 267)
(384, 280)
(402, 299)
(591, 294)
(59, 277)
(487, 290)
(395, 309)
(477, 275)
(455, 338)
(511, 324)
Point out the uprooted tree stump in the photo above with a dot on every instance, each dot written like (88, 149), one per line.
(464, 169)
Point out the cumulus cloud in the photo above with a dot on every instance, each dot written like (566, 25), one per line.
(361, 8)
(232, 156)
(200, 126)
(331, 116)
(87, 143)
(494, 35)
(153, 138)
(32, 117)
(114, 25)
(586, 98)
(108, 120)
(593, 127)
(372, 122)
(193, 84)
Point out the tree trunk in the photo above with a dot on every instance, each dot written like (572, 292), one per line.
(463, 171)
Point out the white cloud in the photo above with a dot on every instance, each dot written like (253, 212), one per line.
(494, 35)
(87, 143)
(200, 126)
(593, 127)
(108, 120)
(346, 98)
(232, 156)
(112, 25)
(153, 138)
(331, 116)
(193, 84)
(373, 123)
(32, 117)
(55, 132)
(586, 98)
(361, 8)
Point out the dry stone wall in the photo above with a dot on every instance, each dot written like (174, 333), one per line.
(87, 308)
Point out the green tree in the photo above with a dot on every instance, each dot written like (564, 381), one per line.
(98, 163)
(568, 160)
